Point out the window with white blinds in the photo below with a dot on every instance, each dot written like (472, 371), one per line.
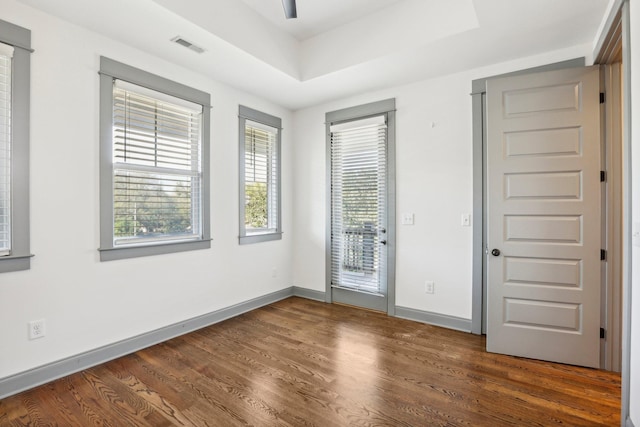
(260, 176)
(358, 203)
(6, 54)
(154, 164)
(157, 173)
(15, 83)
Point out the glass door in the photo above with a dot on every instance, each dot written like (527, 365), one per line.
(360, 235)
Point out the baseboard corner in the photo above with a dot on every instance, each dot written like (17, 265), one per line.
(436, 319)
(308, 293)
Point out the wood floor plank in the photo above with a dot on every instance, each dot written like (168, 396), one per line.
(304, 363)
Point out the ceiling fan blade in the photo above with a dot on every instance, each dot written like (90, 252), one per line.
(290, 8)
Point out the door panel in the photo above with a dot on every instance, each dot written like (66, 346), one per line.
(542, 99)
(544, 208)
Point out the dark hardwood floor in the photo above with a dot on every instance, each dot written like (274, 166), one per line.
(304, 363)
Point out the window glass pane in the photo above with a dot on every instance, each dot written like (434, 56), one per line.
(157, 173)
(261, 207)
(5, 149)
(154, 207)
(154, 133)
(358, 203)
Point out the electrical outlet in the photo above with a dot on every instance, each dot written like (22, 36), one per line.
(37, 329)
(429, 287)
(407, 219)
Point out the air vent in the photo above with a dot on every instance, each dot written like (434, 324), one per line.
(187, 44)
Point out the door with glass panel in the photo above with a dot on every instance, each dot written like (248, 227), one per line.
(361, 233)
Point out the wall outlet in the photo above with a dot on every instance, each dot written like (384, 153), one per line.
(37, 329)
(429, 287)
(407, 219)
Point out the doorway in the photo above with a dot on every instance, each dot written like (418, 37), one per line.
(361, 206)
(612, 207)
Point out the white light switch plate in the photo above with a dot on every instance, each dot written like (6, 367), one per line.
(466, 220)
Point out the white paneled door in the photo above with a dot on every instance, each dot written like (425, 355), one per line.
(544, 216)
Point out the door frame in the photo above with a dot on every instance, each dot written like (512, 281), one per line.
(478, 94)
(618, 18)
(388, 107)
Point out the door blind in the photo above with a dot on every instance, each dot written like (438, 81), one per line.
(6, 53)
(260, 178)
(358, 200)
(157, 166)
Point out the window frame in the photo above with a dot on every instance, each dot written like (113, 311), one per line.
(244, 114)
(19, 38)
(110, 70)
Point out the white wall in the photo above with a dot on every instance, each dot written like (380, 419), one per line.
(635, 188)
(87, 303)
(434, 181)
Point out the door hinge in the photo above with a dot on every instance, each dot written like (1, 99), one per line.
(603, 176)
(602, 333)
(603, 255)
(602, 98)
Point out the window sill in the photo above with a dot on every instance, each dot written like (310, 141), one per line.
(257, 238)
(112, 254)
(15, 263)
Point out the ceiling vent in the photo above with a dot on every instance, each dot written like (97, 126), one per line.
(187, 44)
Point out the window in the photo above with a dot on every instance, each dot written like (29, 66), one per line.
(154, 164)
(259, 176)
(6, 54)
(15, 52)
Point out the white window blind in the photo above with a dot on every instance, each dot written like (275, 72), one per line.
(358, 197)
(157, 166)
(6, 54)
(260, 178)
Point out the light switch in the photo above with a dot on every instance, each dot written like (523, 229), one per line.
(466, 220)
(407, 219)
